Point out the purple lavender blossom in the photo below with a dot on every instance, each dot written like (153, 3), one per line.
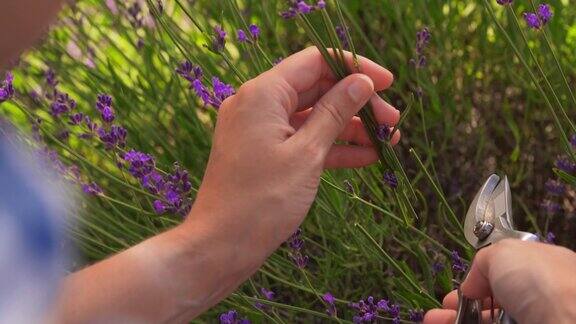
(555, 187)
(7, 88)
(301, 7)
(437, 267)
(367, 311)
(201, 91)
(573, 141)
(532, 20)
(62, 104)
(135, 15)
(232, 317)
(221, 91)
(416, 315)
(241, 35)
(550, 238)
(92, 189)
(544, 13)
(565, 164)
(331, 302)
(504, 2)
(140, 164)
(115, 136)
(104, 105)
(76, 119)
(390, 179)
(458, 264)
(550, 207)
(383, 133)
(342, 36)
(219, 39)
(50, 77)
(268, 294)
(422, 40)
(159, 207)
(254, 31)
(321, 4)
(295, 243)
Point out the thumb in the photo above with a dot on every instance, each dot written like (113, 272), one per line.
(335, 109)
(477, 283)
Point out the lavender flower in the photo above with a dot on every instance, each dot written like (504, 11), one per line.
(135, 15)
(437, 267)
(416, 315)
(104, 105)
(61, 104)
(221, 91)
(504, 2)
(383, 133)
(301, 7)
(367, 311)
(565, 164)
(550, 207)
(139, 164)
(458, 264)
(295, 243)
(544, 13)
(241, 35)
(76, 119)
(50, 77)
(555, 187)
(254, 31)
(219, 39)
(550, 238)
(532, 20)
(159, 207)
(422, 40)
(113, 137)
(342, 36)
(331, 302)
(7, 89)
(232, 317)
(268, 294)
(390, 179)
(92, 189)
(573, 141)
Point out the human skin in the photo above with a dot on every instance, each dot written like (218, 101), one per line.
(272, 141)
(22, 22)
(534, 282)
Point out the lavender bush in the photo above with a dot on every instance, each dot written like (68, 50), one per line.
(122, 97)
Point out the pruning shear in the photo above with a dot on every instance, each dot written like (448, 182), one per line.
(488, 220)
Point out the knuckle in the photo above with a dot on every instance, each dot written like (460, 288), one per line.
(331, 111)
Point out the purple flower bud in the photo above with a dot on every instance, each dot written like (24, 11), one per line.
(268, 294)
(232, 317)
(254, 31)
(573, 141)
(532, 20)
(159, 207)
(342, 36)
(303, 7)
(504, 2)
(563, 163)
(76, 119)
(219, 39)
(390, 179)
(92, 189)
(550, 207)
(550, 238)
(383, 133)
(107, 114)
(555, 187)
(458, 264)
(242, 38)
(416, 315)
(544, 13)
(7, 88)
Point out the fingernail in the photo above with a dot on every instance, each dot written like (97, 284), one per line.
(361, 89)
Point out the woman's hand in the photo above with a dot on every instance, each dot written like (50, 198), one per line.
(272, 141)
(274, 138)
(533, 282)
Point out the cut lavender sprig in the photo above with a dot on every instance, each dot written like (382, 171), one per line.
(7, 88)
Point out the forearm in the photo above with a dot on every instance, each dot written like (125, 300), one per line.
(172, 277)
(21, 23)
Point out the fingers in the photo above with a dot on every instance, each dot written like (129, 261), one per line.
(477, 284)
(448, 316)
(334, 111)
(350, 156)
(451, 301)
(355, 131)
(307, 74)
